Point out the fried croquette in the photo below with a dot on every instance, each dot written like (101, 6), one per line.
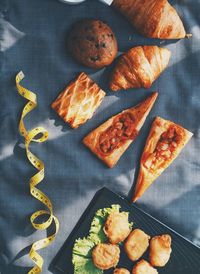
(160, 250)
(117, 227)
(105, 256)
(143, 267)
(136, 244)
(121, 271)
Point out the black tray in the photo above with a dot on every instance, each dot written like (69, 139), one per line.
(185, 257)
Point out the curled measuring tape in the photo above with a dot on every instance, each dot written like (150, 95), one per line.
(31, 136)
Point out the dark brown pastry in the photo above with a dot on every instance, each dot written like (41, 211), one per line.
(92, 43)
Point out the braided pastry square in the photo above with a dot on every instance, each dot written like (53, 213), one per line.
(79, 100)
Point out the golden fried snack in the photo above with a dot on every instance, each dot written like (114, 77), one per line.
(79, 100)
(160, 250)
(143, 267)
(105, 256)
(121, 271)
(117, 227)
(136, 244)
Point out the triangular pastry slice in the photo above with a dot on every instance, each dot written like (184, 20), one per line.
(139, 67)
(164, 143)
(110, 140)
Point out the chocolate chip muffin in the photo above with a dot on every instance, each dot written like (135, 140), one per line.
(92, 43)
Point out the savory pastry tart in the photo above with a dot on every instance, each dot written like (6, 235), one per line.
(92, 43)
(139, 67)
(160, 250)
(117, 227)
(164, 143)
(121, 271)
(105, 256)
(152, 18)
(143, 267)
(78, 102)
(136, 244)
(110, 140)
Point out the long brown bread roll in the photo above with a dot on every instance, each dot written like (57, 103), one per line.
(152, 18)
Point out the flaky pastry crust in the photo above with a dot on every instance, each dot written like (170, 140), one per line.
(138, 114)
(152, 18)
(164, 143)
(139, 67)
(78, 102)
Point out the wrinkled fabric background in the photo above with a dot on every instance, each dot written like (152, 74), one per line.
(33, 39)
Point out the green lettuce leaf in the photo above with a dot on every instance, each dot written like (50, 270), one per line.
(82, 250)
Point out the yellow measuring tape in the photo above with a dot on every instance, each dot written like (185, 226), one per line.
(31, 136)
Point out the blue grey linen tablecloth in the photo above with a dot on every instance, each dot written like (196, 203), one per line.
(33, 39)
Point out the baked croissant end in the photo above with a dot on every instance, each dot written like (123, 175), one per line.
(139, 67)
(165, 142)
(152, 18)
(111, 139)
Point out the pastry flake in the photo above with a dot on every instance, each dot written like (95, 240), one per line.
(139, 67)
(78, 102)
(164, 143)
(110, 140)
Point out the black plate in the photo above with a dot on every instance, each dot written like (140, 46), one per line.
(185, 258)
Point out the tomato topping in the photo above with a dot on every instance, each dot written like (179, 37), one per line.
(168, 142)
(122, 129)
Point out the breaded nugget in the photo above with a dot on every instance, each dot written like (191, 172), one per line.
(121, 271)
(105, 256)
(136, 244)
(117, 227)
(160, 250)
(143, 267)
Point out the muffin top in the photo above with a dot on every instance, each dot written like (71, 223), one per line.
(92, 43)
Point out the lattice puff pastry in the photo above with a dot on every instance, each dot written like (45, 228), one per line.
(78, 102)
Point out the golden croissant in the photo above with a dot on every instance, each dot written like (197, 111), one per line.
(139, 67)
(152, 18)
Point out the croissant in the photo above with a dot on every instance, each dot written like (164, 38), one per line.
(139, 67)
(152, 18)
